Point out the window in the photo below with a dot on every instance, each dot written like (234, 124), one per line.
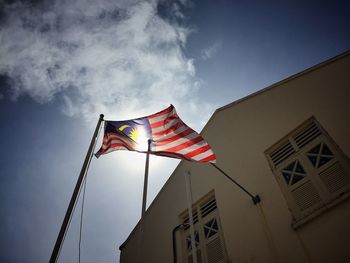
(208, 235)
(310, 169)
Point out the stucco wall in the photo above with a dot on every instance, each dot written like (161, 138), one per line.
(239, 134)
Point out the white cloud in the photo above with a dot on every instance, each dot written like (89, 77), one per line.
(120, 58)
(210, 51)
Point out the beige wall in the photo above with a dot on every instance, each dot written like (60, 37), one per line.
(239, 134)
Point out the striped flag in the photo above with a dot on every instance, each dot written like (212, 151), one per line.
(169, 136)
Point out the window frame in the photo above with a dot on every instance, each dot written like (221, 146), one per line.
(199, 226)
(327, 199)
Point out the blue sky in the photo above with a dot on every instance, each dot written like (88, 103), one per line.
(63, 63)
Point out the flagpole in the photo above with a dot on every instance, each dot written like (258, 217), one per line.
(189, 205)
(73, 200)
(256, 199)
(144, 199)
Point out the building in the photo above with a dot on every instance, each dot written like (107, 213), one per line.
(288, 143)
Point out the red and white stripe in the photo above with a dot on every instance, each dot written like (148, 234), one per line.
(173, 138)
(112, 142)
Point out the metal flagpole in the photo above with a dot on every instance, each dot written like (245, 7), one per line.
(144, 199)
(73, 200)
(189, 204)
(256, 199)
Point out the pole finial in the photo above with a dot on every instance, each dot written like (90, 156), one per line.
(102, 116)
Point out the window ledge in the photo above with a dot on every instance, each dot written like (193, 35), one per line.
(298, 223)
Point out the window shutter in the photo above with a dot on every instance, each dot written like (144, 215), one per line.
(214, 251)
(335, 178)
(310, 169)
(209, 238)
(300, 188)
(309, 133)
(306, 196)
(282, 153)
(208, 207)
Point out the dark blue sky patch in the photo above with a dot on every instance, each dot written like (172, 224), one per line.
(42, 150)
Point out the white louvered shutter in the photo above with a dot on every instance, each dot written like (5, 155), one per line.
(310, 169)
(208, 234)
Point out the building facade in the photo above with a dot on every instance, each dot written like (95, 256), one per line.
(288, 143)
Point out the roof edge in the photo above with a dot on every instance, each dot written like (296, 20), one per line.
(294, 76)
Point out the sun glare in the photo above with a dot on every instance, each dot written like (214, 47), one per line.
(134, 163)
(140, 137)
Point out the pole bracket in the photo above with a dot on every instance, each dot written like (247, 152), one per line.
(256, 199)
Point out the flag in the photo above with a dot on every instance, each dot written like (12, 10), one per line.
(168, 134)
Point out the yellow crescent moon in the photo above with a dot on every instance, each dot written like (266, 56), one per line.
(123, 127)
